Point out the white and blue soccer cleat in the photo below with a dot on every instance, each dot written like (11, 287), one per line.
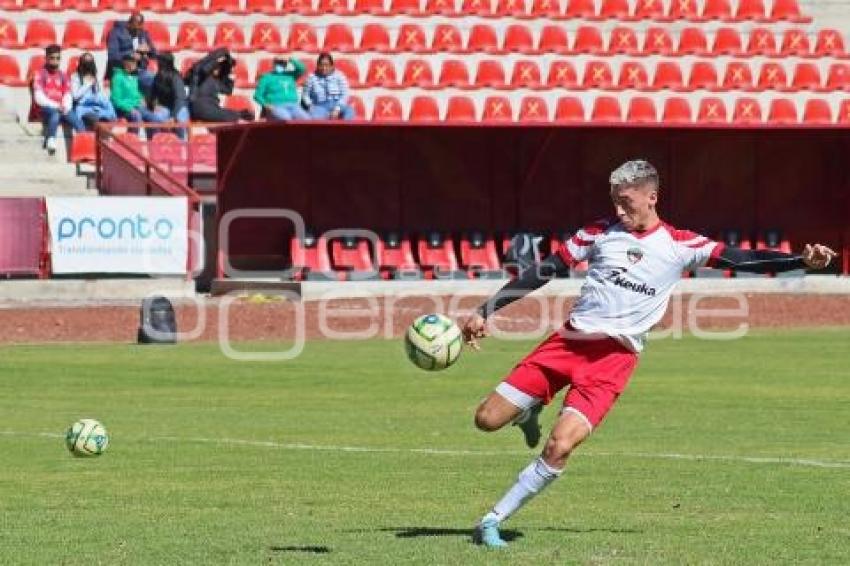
(487, 534)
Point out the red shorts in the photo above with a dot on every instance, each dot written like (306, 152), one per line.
(596, 369)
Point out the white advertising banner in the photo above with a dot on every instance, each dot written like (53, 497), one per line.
(118, 234)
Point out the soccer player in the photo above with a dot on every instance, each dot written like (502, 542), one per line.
(634, 262)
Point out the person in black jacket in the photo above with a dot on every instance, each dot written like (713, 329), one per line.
(169, 91)
(208, 79)
(130, 38)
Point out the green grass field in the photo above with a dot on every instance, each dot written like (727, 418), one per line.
(719, 452)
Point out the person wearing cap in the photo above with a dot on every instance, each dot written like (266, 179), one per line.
(277, 91)
(127, 97)
(131, 38)
(635, 260)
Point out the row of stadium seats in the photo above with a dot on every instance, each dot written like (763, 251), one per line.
(443, 38)
(658, 10)
(527, 74)
(438, 255)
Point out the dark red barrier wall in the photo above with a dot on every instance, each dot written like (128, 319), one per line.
(420, 177)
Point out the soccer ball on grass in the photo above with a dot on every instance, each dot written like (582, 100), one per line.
(87, 437)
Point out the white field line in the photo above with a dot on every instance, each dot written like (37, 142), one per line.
(805, 462)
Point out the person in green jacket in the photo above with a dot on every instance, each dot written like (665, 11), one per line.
(277, 92)
(127, 98)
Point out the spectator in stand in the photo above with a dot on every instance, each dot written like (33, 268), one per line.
(277, 91)
(52, 95)
(127, 97)
(209, 79)
(326, 92)
(130, 38)
(169, 91)
(91, 105)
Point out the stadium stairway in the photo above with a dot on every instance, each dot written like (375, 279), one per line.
(26, 169)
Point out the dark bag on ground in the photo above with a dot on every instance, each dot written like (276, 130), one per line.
(158, 325)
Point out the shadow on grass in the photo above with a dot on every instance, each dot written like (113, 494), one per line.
(415, 532)
(590, 530)
(310, 549)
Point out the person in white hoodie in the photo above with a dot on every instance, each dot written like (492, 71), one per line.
(52, 94)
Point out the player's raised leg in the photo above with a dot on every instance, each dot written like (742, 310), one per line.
(507, 404)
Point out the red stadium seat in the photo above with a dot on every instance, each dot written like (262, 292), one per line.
(795, 43)
(372, 7)
(518, 39)
(227, 6)
(838, 77)
(158, 31)
(641, 111)
(533, 109)
(9, 34)
(386, 109)
(349, 68)
(405, 8)
(268, 7)
(356, 104)
(553, 39)
(772, 77)
(633, 75)
(242, 78)
(447, 39)
(193, 6)
(187, 63)
(789, 11)
(453, 73)
(589, 40)
(417, 73)
(394, 256)
(606, 109)
(79, 34)
(615, 10)
(677, 110)
(490, 74)
(844, 112)
(817, 111)
(511, 9)
(302, 37)
(478, 255)
(562, 74)
(480, 8)
(668, 75)
(738, 76)
(202, 150)
(649, 10)
(806, 77)
(301, 7)
(351, 256)
(782, 111)
(752, 10)
(717, 10)
(460, 109)
(483, 39)
(727, 41)
(36, 63)
(437, 257)
(703, 76)
(569, 109)
(39, 33)
(658, 41)
(381, 73)
(10, 72)
(265, 36)
(497, 109)
(79, 5)
(310, 258)
(424, 109)
(692, 41)
(264, 65)
(239, 103)
(440, 8)
(747, 111)
(761, 42)
(712, 110)
(526, 74)
(166, 149)
(830, 43)
(411, 37)
(546, 9)
(191, 35)
(338, 7)
(375, 37)
(231, 36)
(623, 41)
(684, 10)
(598, 74)
(83, 148)
(339, 38)
(581, 9)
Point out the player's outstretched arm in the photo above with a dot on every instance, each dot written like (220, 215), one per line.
(815, 256)
(474, 327)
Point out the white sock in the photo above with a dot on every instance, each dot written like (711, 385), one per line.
(531, 481)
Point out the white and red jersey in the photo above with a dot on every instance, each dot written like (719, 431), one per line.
(631, 275)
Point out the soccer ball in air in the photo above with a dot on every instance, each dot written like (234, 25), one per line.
(87, 437)
(433, 342)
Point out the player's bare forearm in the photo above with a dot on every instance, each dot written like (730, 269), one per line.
(527, 281)
(769, 261)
